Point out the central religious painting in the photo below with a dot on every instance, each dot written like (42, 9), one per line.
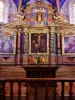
(38, 43)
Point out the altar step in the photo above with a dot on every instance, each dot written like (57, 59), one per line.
(12, 71)
(18, 71)
(68, 72)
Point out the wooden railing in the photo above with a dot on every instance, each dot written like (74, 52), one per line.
(49, 85)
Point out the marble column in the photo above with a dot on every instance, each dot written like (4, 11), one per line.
(59, 57)
(18, 50)
(6, 11)
(13, 8)
(9, 9)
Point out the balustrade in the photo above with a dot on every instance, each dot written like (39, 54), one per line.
(35, 83)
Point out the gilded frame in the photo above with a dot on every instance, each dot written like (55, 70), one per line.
(68, 44)
(30, 43)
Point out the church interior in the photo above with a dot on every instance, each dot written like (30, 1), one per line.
(37, 50)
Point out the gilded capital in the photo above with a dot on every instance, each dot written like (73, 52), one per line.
(52, 29)
(18, 29)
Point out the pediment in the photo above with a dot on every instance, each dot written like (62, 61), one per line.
(39, 5)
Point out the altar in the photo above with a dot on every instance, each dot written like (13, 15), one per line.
(37, 37)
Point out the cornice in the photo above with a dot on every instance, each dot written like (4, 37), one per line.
(16, 23)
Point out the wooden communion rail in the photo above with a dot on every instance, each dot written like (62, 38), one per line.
(35, 83)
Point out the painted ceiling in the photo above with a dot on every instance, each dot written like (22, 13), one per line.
(53, 2)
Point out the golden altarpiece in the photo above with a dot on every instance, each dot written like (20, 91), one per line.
(37, 36)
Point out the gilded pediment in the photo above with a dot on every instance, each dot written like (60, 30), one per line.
(39, 5)
(38, 14)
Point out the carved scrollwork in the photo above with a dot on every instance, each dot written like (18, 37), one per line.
(71, 58)
(61, 17)
(64, 30)
(17, 17)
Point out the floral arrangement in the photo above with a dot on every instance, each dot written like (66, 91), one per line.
(43, 60)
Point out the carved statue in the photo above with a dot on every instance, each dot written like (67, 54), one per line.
(17, 17)
(60, 17)
(39, 17)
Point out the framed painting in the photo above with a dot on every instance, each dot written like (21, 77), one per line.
(39, 43)
(68, 45)
(7, 44)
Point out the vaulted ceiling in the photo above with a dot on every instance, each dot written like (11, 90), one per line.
(53, 2)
